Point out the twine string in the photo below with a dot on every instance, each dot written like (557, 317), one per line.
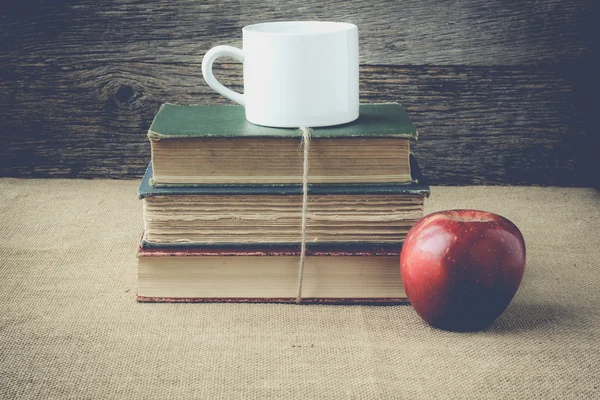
(306, 132)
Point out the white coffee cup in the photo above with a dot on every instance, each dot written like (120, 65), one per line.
(296, 73)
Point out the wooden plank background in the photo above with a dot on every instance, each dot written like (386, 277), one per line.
(501, 92)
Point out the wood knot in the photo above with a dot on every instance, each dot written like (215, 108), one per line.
(125, 94)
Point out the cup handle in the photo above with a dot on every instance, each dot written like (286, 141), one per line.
(207, 64)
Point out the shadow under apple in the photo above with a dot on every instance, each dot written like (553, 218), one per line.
(540, 317)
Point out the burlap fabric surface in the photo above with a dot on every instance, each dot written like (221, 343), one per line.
(70, 326)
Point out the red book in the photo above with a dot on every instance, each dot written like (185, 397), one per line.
(356, 274)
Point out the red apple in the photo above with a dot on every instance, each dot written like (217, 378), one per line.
(461, 268)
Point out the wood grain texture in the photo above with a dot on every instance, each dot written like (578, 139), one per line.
(476, 125)
(81, 81)
(408, 32)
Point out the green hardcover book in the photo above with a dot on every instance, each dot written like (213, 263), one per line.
(199, 145)
(344, 215)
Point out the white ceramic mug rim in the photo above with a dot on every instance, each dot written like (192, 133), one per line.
(331, 27)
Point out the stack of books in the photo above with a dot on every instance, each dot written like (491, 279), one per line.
(222, 205)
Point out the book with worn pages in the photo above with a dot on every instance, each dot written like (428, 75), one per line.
(271, 214)
(222, 208)
(196, 145)
(346, 275)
